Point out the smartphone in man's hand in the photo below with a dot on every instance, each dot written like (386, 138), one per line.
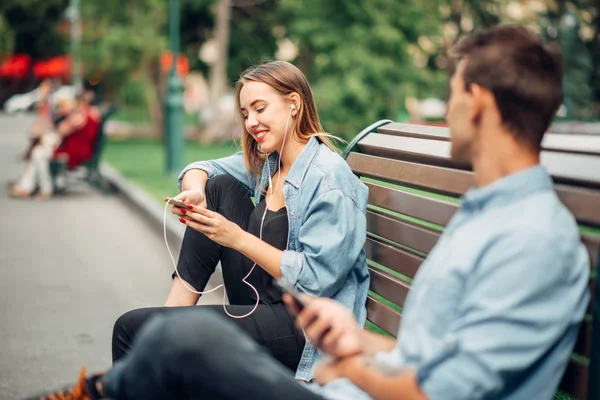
(292, 291)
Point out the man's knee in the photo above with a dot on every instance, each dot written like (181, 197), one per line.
(202, 333)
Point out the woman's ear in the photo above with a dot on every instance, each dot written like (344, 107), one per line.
(295, 103)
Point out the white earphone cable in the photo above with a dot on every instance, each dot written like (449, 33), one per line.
(188, 286)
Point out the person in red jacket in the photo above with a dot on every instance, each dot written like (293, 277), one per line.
(78, 133)
(75, 131)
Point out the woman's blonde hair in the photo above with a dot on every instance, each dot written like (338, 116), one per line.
(285, 78)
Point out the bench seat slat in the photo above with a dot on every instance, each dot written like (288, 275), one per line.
(425, 208)
(392, 257)
(383, 316)
(405, 233)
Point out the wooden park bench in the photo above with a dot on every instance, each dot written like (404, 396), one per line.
(413, 192)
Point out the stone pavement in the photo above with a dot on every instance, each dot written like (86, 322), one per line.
(68, 268)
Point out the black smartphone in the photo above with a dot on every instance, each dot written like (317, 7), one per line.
(295, 293)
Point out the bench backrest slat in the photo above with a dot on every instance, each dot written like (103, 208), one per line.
(572, 143)
(424, 208)
(414, 187)
(406, 233)
(389, 318)
(399, 260)
(436, 179)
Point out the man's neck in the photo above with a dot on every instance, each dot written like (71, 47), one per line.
(499, 158)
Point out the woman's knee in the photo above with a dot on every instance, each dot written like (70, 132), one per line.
(129, 323)
(221, 183)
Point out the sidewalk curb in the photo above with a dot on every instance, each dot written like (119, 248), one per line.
(149, 209)
(145, 205)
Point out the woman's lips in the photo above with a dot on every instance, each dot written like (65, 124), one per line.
(260, 136)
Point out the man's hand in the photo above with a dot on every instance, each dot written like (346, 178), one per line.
(329, 325)
(330, 369)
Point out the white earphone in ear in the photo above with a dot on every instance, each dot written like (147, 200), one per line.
(292, 106)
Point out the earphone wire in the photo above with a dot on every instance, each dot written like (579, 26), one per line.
(188, 286)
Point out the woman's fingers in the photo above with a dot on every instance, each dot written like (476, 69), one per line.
(204, 211)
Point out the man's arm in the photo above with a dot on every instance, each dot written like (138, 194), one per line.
(380, 382)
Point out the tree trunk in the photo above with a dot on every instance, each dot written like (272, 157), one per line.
(217, 81)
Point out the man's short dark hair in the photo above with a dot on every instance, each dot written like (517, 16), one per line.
(523, 74)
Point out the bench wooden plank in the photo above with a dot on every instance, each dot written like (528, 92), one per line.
(572, 143)
(583, 345)
(392, 257)
(435, 179)
(575, 380)
(393, 289)
(592, 244)
(383, 316)
(425, 208)
(565, 167)
(405, 233)
(583, 203)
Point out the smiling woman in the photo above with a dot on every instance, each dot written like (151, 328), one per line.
(307, 225)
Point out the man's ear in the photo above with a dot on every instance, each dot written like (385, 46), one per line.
(479, 95)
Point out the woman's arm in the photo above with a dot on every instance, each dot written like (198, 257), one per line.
(262, 253)
(233, 165)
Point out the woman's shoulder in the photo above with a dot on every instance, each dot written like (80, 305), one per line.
(329, 171)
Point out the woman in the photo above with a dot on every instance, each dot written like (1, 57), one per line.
(309, 203)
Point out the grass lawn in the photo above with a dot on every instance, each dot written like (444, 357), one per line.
(142, 161)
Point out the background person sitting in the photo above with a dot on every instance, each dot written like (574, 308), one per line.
(69, 139)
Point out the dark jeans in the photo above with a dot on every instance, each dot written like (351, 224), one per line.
(199, 355)
(270, 325)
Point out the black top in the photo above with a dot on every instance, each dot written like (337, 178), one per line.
(274, 232)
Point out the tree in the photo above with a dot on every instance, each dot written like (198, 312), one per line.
(122, 43)
(363, 57)
(32, 24)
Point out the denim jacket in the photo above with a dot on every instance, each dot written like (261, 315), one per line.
(326, 206)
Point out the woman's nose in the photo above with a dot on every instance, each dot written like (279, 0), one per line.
(251, 122)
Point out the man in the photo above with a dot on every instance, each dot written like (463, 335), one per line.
(494, 310)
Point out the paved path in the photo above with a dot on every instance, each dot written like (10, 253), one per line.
(68, 268)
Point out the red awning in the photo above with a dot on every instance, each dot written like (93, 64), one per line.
(17, 66)
(57, 66)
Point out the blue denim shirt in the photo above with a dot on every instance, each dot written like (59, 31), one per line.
(326, 205)
(494, 310)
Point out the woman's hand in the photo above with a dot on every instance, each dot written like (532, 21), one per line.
(194, 198)
(215, 226)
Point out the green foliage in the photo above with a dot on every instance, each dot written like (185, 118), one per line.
(7, 38)
(356, 55)
(143, 162)
(123, 40)
(31, 27)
